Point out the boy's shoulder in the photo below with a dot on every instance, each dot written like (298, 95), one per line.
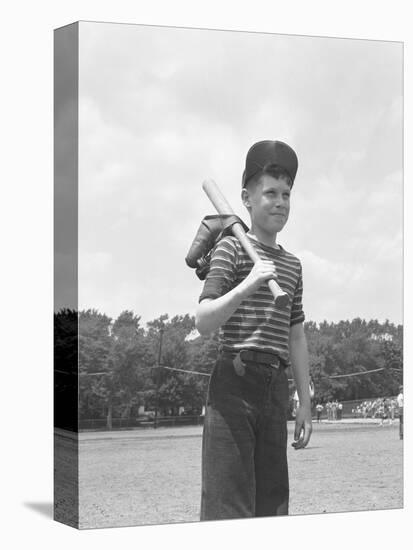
(290, 255)
(290, 260)
(229, 242)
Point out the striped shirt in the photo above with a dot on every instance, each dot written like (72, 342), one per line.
(257, 324)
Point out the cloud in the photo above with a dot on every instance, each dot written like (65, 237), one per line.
(161, 109)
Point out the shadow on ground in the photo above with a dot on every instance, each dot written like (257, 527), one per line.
(43, 508)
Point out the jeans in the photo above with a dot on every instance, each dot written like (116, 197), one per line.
(244, 445)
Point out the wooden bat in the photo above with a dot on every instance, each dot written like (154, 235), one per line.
(223, 207)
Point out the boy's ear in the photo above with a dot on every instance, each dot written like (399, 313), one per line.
(245, 197)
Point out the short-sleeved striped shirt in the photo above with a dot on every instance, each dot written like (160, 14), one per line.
(257, 324)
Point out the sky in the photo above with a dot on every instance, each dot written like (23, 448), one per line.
(162, 109)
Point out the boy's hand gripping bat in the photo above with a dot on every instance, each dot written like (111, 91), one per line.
(223, 207)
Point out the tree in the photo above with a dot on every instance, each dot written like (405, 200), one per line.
(66, 369)
(118, 361)
(171, 387)
(94, 349)
(127, 363)
(348, 347)
(113, 360)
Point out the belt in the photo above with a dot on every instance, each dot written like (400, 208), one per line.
(257, 357)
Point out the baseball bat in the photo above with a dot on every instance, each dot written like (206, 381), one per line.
(223, 207)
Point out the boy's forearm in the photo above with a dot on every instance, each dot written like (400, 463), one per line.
(211, 314)
(300, 363)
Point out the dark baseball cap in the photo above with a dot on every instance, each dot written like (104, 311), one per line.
(267, 152)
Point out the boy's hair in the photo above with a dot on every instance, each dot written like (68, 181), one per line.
(274, 170)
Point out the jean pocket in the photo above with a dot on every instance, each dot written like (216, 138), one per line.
(239, 365)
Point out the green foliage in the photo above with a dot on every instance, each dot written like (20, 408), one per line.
(122, 364)
(348, 347)
(65, 341)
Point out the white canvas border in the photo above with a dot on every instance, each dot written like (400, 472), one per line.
(27, 228)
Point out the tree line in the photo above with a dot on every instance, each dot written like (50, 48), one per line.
(119, 373)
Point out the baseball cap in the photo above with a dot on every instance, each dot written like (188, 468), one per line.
(270, 152)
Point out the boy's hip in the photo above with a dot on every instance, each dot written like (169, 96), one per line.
(254, 356)
(248, 379)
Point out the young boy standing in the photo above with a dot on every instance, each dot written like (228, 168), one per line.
(244, 449)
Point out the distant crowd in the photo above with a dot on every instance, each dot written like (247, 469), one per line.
(384, 408)
(334, 410)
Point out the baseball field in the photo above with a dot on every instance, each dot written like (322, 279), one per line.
(142, 477)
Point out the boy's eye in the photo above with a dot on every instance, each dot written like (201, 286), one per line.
(272, 193)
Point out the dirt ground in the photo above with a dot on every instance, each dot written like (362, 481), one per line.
(153, 476)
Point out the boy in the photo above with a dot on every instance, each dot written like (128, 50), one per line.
(244, 448)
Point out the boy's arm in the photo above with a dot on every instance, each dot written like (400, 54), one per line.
(212, 313)
(299, 363)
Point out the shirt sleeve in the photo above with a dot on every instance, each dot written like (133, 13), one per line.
(222, 273)
(297, 313)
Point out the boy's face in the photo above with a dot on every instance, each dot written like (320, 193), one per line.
(268, 202)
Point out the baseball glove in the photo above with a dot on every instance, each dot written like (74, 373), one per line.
(211, 231)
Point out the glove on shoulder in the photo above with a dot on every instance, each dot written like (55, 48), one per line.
(211, 231)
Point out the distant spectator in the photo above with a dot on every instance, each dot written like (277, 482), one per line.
(392, 409)
(319, 408)
(384, 408)
(377, 407)
(328, 410)
(334, 410)
(339, 411)
(356, 412)
(311, 388)
(400, 404)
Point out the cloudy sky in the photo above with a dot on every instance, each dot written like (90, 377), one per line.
(161, 109)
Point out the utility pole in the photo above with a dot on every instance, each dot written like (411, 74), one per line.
(158, 373)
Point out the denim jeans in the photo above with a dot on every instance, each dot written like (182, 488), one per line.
(244, 445)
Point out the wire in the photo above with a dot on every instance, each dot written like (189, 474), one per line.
(183, 370)
(208, 374)
(355, 373)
